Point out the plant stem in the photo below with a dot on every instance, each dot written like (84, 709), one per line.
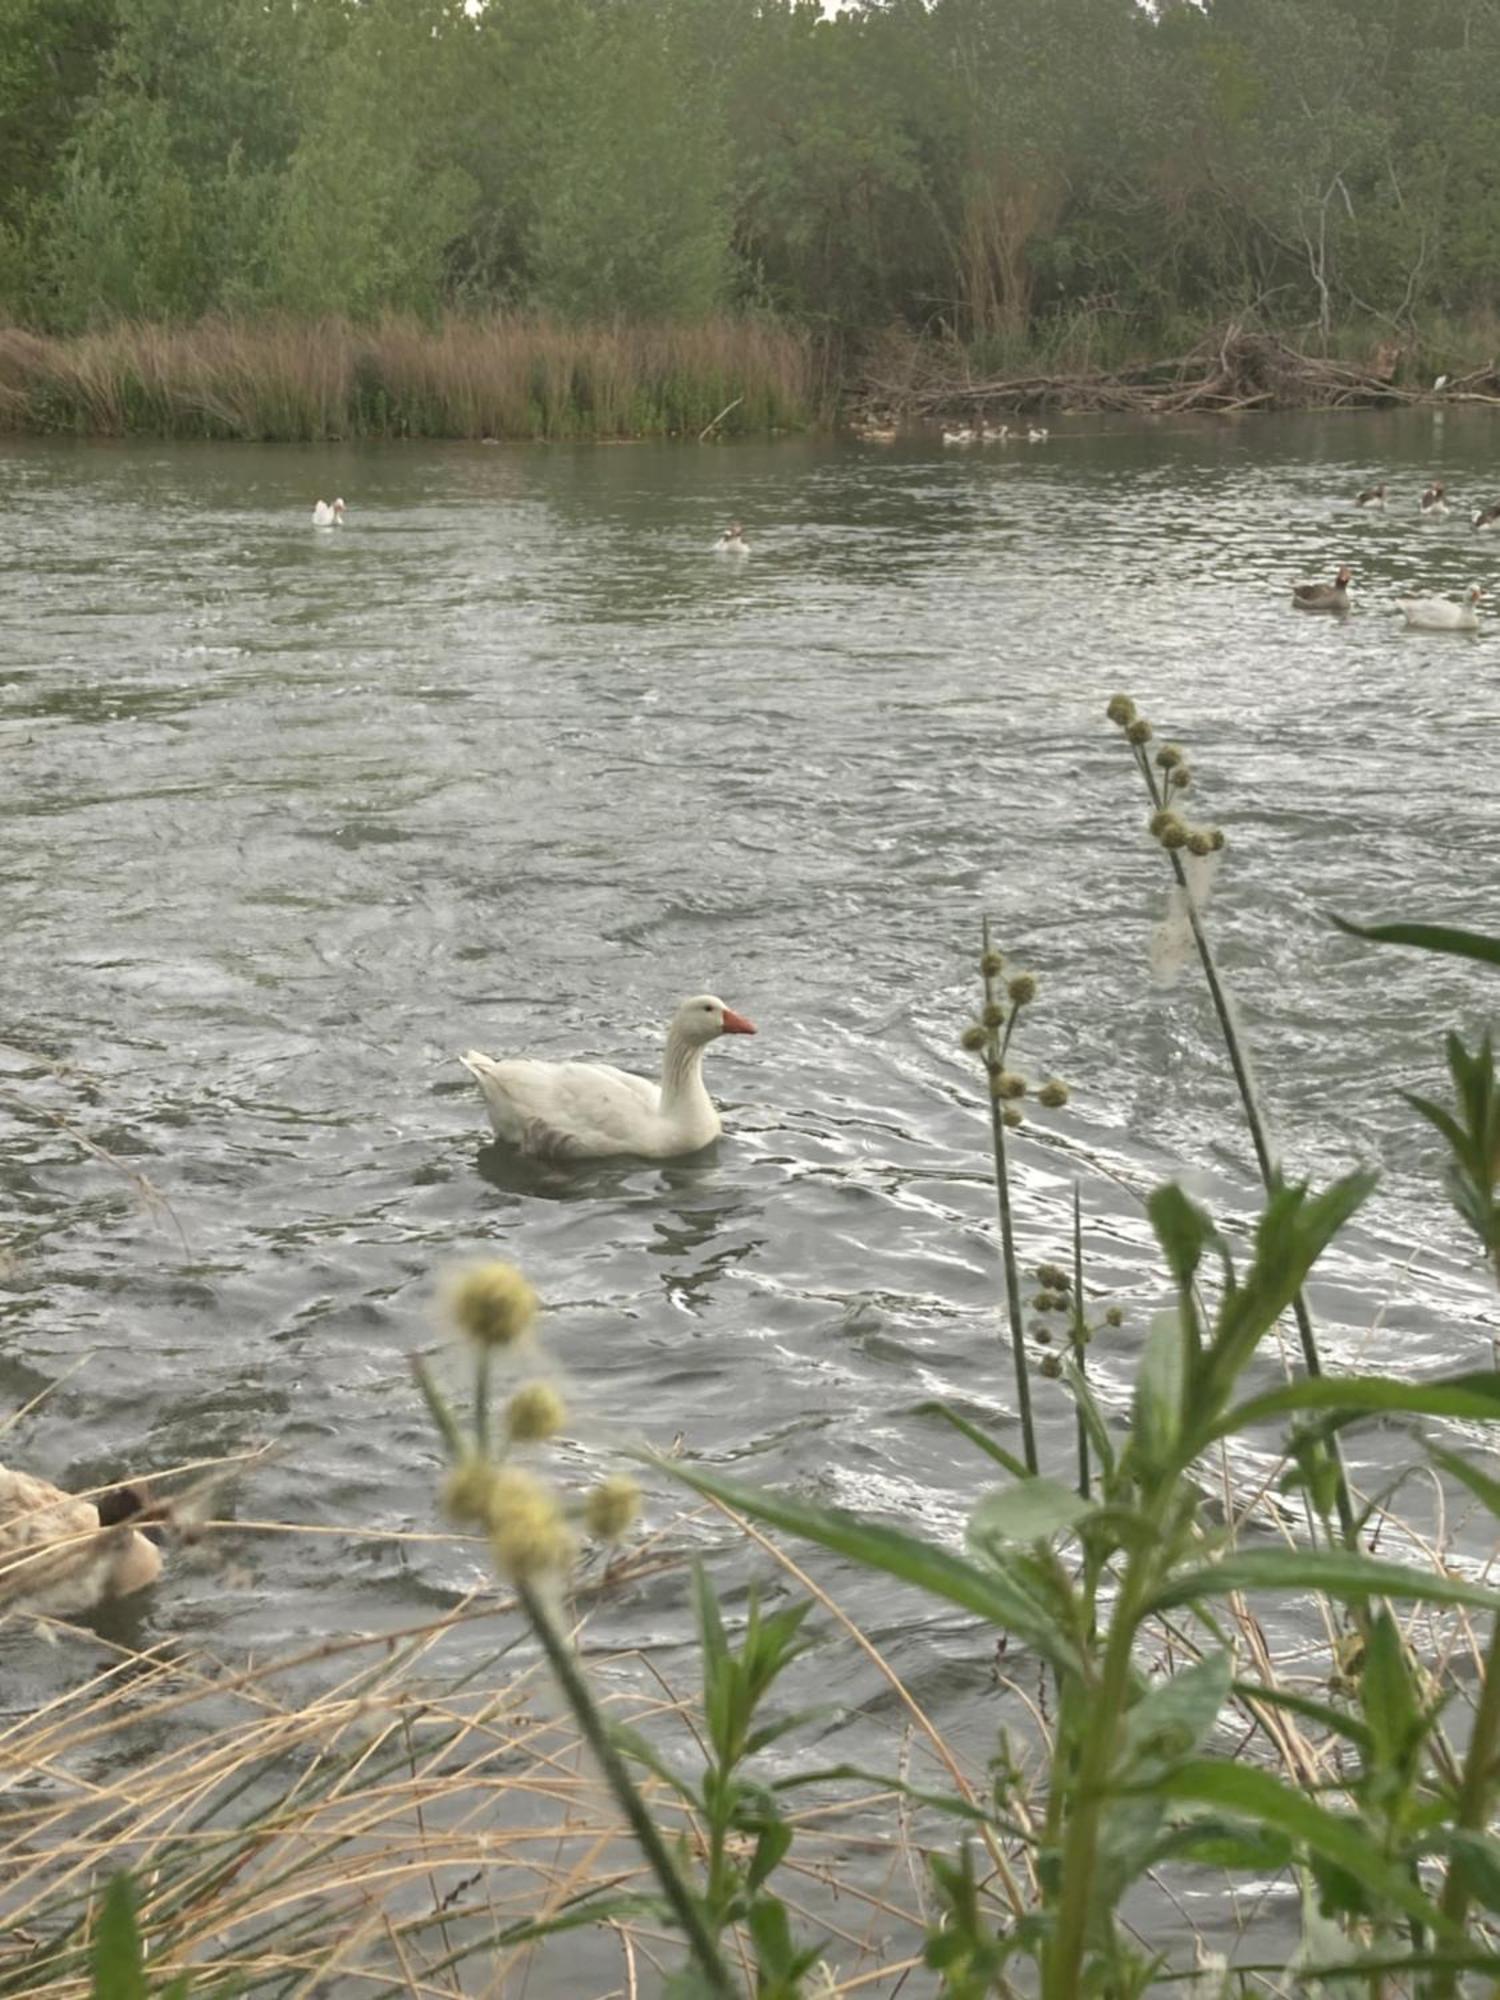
(1080, 1336)
(684, 1904)
(1008, 1243)
(1265, 1159)
(1475, 1791)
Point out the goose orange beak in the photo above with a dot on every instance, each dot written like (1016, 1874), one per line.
(736, 1024)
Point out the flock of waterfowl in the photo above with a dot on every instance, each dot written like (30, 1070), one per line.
(1427, 614)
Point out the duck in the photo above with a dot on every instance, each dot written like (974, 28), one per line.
(580, 1110)
(1434, 498)
(732, 542)
(64, 1553)
(1488, 517)
(328, 516)
(1000, 436)
(1441, 614)
(1035, 436)
(964, 436)
(1324, 596)
(1373, 496)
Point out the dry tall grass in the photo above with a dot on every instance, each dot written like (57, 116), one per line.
(504, 376)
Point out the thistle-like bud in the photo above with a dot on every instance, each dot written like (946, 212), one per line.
(1043, 1302)
(1200, 842)
(972, 1038)
(493, 1304)
(993, 1015)
(1054, 1277)
(1042, 1335)
(528, 1535)
(1216, 838)
(1008, 1084)
(534, 1412)
(992, 964)
(1022, 989)
(1051, 1366)
(611, 1507)
(1169, 756)
(1013, 1115)
(1121, 709)
(1114, 1316)
(1179, 777)
(467, 1491)
(1053, 1093)
(1159, 821)
(1173, 837)
(1139, 731)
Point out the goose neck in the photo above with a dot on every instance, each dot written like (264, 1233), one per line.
(682, 1070)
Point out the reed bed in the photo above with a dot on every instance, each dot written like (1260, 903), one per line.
(504, 376)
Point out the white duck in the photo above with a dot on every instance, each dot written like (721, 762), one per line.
(1441, 614)
(964, 436)
(1037, 436)
(65, 1554)
(326, 516)
(578, 1110)
(732, 542)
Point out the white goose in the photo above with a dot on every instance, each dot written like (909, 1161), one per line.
(1441, 614)
(732, 542)
(65, 1554)
(579, 1111)
(326, 516)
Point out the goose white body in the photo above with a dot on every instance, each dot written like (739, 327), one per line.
(582, 1110)
(1442, 614)
(56, 1554)
(328, 514)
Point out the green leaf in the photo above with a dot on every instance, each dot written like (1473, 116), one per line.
(980, 1589)
(1183, 1230)
(1478, 1855)
(119, 1961)
(1474, 1396)
(1334, 1572)
(1480, 1484)
(1428, 937)
(1386, 1694)
(1258, 1795)
(1319, 1712)
(1214, 1841)
(1160, 1386)
(980, 1439)
(1174, 1718)
(1029, 1511)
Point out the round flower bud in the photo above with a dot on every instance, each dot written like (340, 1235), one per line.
(1022, 988)
(611, 1507)
(993, 1015)
(1162, 821)
(493, 1304)
(528, 1535)
(1168, 756)
(1174, 836)
(1199, 842)
(1042, 1302)
(1010, 1085)
(1053, 1093)
(972, 1038)
(1114, 1316)
(1054, 1277)
(1121, 709)
(1139, 731)
(992, 964)
(1051, 1367)
(1179, 777)
(1042, 1335)
(1216, 838)
(467, 1491)
(534, 1412)
(1013, 1115)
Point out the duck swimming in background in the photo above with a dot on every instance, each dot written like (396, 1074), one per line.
(1488, 517)
(580, 1110)
(1441, 614)
(1373, 496)
(732, 542)
(1324, 596)
(326, 516)
(964, 436)
(1434, 499)
(1035, 436)
(62, 1553)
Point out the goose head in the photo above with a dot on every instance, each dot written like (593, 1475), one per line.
(1476, 591)
(703, 1019)
(338, 509)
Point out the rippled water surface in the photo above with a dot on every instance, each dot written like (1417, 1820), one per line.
(289, 818)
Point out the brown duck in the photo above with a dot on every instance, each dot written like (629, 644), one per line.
(1324, 596)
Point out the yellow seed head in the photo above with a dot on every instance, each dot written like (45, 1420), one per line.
(528, 1535)
(1121, 709)
(1014, 1115)
(1160, 820)
(993, 1015)
(611, 1507)
(992, 964)
(1053, 1093)
(1051, 1367)
(1216, 838)
(972, 1038)
(1053, 1278)
(1139, 731)
(493, 1304)
(1168, 756)
(1008, 1084)
(1179, 777)
(534, 1412)
(1200, 842)
(467, 1491)
(1022, 989)
(1114, 1316)
(1174, 836)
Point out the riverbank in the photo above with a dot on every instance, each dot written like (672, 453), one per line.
(525, 376)
(501, 376)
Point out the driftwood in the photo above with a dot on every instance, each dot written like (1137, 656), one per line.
(1235, 369)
